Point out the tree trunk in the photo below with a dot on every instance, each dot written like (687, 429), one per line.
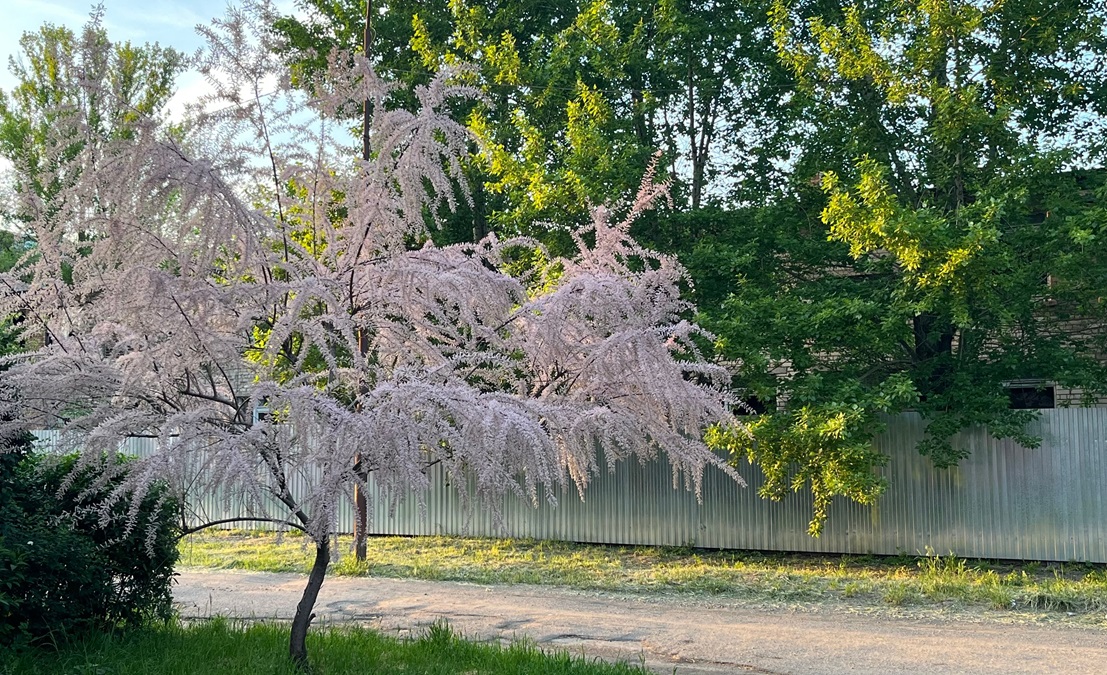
(297, 644)
(361, 504)
(361, 518)
(480, 219)
(933, 351)
(361, 513)
(366, 110)
(693, 145)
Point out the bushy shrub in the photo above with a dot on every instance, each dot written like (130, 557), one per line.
(62, 570)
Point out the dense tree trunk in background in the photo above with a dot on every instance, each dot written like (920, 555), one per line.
(933, 352)
(480, 208)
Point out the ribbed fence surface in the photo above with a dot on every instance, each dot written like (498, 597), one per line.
(1003, 501)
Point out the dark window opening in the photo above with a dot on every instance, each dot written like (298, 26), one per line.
(1031, 398)
(752, 405)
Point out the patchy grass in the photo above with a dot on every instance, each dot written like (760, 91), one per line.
(897, 581)
(219, 647)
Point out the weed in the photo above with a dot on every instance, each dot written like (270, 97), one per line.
(898, 594)
(999, 597)
(948, 569)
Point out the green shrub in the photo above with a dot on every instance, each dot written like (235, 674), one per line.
(62, 570)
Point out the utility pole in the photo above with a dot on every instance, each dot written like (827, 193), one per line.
(361, 509)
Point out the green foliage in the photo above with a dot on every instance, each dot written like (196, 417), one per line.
(50, 579)
(11, 249)
(582, 93)
(62, 570)
(766, 285)
(219, 647)
(935, 244)
(824, 446)
(813, 332)
(59, 69)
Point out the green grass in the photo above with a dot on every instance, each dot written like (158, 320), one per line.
(218, 646)
(898, 581)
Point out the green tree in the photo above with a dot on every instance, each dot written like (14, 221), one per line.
(951, 248)
(57, 71)
(60, 71)
(582, 93)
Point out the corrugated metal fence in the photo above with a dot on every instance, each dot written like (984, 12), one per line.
(1003, 501)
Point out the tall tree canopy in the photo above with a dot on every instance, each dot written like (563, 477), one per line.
(884, 205)
(955, 245)
(64, 77)
(132, 82)
(581, 90)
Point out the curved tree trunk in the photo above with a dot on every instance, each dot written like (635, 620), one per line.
(297, 645)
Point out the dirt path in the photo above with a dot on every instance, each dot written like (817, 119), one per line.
(666, 634)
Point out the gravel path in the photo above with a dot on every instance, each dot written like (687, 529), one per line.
(685, 636)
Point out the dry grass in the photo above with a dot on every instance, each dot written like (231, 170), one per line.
(874, 581)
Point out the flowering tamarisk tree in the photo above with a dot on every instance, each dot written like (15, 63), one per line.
(181, 280)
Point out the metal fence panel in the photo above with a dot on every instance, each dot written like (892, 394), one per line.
(1003, 501)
